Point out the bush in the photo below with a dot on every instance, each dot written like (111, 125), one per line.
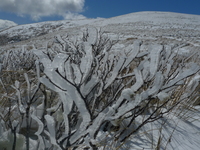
(88, 95)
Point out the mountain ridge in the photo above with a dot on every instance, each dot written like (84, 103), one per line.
(143, 25)
(144, 16)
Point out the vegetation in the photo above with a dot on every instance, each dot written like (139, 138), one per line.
(83, 94)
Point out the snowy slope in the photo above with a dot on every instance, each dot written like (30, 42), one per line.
(6, 24)
(141, 23)
(156, 18)
(159, 26)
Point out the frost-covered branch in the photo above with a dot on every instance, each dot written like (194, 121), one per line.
(83, 92)
(108, 88)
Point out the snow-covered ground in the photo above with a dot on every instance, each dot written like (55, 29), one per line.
(165, 24)
(159, 26)
(179, 31)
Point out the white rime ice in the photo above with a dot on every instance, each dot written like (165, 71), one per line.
(83, 75)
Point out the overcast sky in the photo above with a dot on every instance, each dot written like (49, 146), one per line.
(30, 11)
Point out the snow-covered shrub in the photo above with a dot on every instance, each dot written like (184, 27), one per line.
(4, 39)
(21, 94)
(105, 92)
(84, 94)
(18, 59)
(13, 64)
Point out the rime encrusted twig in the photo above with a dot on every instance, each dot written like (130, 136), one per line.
(87, 76)
(83, 91)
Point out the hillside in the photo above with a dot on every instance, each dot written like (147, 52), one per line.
(142, 24)
(4, 24)
(127, 82)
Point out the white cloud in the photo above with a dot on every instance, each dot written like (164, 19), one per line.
(41, 8)
(6, 24)
(73, 16)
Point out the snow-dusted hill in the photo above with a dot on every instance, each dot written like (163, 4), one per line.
(6, 24)
(135, 25)
(164, 27)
